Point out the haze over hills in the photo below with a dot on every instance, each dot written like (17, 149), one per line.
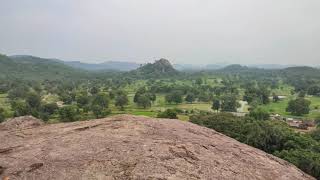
(128, 66)
(108, 65)
(31, 67)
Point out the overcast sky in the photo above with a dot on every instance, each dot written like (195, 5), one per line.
(183, 31)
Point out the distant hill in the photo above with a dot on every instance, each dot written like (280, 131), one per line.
(195, 67)
(235, 68)
(35, 68)
(160, 68)
(109, 65)
(270, 66)
(302, 71)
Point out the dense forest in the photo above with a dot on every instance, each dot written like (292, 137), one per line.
(248, 104)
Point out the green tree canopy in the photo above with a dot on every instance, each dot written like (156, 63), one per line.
(299, 106)
(68, 114)
(121, 100)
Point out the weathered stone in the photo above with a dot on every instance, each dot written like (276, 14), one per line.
(134, 147)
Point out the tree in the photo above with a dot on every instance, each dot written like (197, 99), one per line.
(229, 103)
(152, 97)
(315, 134)
(99, 111)
(259, 114)
(2, 117)
(18, 92)
(169, 113)
(144, 101)
(199, 81)
(139, 92)
(215, 105)
(68, 114)
(33, 100)
(174, 97)
(260, 94)
(314, 90)
(102, 100)
(190, 97)
(275, 97)
(264, 94)
(317, 121)
(94, 90)
(112, 94)
(121, 101)
(66, 98)
(302, 94)
(19, 108)
(144, 97)
(299, 106)
(49, 108)
(83, 100)
(204, 97)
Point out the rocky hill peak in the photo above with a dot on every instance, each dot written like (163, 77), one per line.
(163, 62)
(133, 147)
(160, 68)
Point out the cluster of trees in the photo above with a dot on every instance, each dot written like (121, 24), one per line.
(273, 137)
(314, 90)
(79, 101)
(255, 94)
(226, 103)
(144, 98)
(174, 97)
(30, 103)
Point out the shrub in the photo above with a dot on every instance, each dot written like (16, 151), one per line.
(169, 113)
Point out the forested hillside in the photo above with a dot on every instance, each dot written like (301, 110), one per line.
(34, 68)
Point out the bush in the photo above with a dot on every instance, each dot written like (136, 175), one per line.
(259, 114)
(169, 113)
(100, 112)
(307, 161)
(273, 137)
(2, 117)
(68, 114)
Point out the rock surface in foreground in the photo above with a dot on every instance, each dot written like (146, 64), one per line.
(133, 147)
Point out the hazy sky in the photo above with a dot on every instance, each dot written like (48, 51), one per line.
(183, 31)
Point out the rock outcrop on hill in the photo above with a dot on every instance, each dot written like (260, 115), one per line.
(160, 68)
(132, 147)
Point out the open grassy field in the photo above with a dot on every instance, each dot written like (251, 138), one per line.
(315, 107)
(283, 90)
(158, 106)
(280, 107)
